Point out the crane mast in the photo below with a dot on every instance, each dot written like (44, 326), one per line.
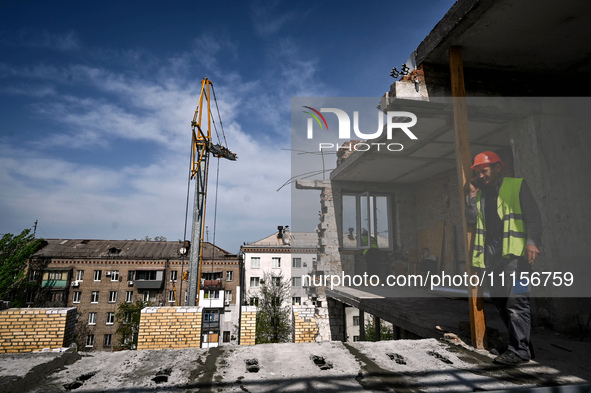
(202, 148)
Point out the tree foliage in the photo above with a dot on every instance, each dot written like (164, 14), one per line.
(386, 330)
(273, 314)
(14, 253)
(128, 317)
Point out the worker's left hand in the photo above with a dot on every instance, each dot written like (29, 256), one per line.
(531, 253)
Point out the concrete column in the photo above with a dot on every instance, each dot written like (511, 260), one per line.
(361, 325)
(378, 324)
(336, 315)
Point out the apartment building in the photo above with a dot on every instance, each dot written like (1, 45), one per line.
(97, 276)
(290, 254)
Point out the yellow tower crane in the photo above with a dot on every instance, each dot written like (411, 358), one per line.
(202, 148)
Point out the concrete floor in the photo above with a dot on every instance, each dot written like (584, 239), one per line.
(427, 365)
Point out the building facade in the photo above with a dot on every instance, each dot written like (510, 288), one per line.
(291, 255)
(97, 276)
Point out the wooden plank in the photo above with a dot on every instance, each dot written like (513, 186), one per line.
(449, 250)
(463, 164)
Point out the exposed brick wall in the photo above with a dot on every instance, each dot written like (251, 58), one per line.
(305, 327)
(32, 329)
(170, 328)
(248, 325)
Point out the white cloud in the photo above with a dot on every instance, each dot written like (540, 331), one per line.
(97, 105)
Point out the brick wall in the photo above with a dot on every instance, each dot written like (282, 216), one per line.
(170, 328)
(248, 325)
(305, 327)
(32, 329)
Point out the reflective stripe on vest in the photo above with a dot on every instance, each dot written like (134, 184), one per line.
(509, 210)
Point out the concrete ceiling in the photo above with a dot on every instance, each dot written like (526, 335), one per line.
(528, 36)
(535, 35)
(434, 150)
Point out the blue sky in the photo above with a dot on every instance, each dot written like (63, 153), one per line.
(96, 100)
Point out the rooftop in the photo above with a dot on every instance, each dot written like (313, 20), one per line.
(427, 365)
(121, 249)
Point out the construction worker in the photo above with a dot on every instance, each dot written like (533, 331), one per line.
(372, 254)
(508, 236)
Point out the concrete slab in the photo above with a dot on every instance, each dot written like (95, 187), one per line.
(427, 365)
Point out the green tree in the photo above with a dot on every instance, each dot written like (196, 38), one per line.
(128, 317)
(386, 331)
(273, 314)
(14, 253)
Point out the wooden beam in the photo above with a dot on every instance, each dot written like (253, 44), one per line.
(464, 162)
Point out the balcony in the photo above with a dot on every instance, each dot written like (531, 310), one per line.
(149, 279)
(211, 284)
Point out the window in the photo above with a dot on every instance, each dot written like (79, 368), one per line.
(211, 320)
(115, 275)
(57, 296)
(366, 221)
(173, 275)
(171, 296)
(146, 275)
(296, 262)
(211, 294)
(129, 296)
(254, 282)
(255, 262)
(80, 275)
(110, 318)
(31, 297)
(277, 281)
(76, 297)
(254, 301)
(131, 275)
(34, 275)
(112, 296)
(90, 340)
(226, 336)
(296, 281)
(97, 275)
(107, 340)
(55, 276)
(127, 317)
(94, 297)
(92, 318)
(355, 338)
(276, 262)
(296, 300)
(355, 320)
(228, 295)
(229, 275)
(146, 296)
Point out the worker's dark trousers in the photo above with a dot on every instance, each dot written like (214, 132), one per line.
(512, 302)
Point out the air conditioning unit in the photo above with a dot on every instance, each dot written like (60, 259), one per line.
(108, 274)
(130, 283)
(75, 283)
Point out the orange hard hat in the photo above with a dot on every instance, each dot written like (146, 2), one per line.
(486, 157)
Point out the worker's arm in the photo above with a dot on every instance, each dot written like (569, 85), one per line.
(471, 212)
(533, 222)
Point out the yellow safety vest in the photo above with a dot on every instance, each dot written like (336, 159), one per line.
(509, 209)
(373, 243)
